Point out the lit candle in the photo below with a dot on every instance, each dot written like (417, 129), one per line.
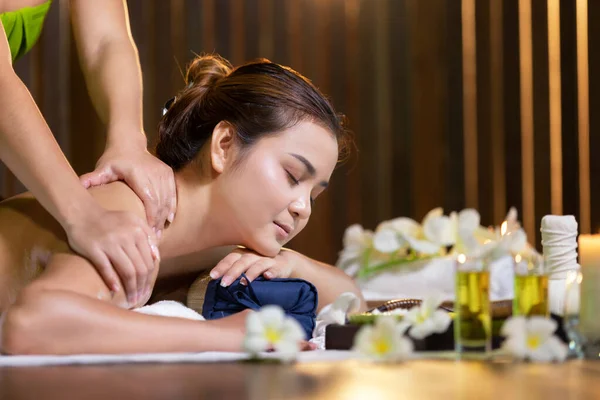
(589, 258)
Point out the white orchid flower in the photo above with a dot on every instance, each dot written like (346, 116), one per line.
(270, 329)
(383, 341)
(533, 339)
(426, 319)
(356, 241)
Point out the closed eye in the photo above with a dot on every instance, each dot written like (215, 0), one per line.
(296, 182)
(292, 178)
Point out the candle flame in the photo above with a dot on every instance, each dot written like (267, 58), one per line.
(461, 258)
(518, 258)
(504, 228)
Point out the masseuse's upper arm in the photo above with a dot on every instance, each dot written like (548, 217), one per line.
(69, 271)
(95, 23)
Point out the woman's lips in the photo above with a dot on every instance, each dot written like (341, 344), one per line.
(283, 231)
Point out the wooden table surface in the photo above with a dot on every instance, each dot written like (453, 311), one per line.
(421, 379)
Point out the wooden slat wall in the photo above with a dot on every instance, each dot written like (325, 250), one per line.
(481, 103)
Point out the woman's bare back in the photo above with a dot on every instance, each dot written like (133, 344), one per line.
(29, 235)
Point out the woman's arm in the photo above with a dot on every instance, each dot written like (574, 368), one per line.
(69, 310)
(109, 60)
(29, 150)
(329, 281)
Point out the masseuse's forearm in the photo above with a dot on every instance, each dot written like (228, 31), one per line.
(115, 85)
(61, 322)
(329, 280)
(110, 64)
(30, 151)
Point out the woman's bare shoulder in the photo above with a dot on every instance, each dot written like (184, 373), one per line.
(117, 196)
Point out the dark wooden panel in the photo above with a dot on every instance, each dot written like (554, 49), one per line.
(178, 42)
(454, 194)
(367, 137)
(237, 28)
(428, 102)
(336, 70)
(281, 39)
(497, 133)
(541, 111)
(484, 137)
(222, 28)
(208, 25)
(570, 145)
(193, 24)
(399, 115)
(258, 29)
(353, 193)
(512, 105)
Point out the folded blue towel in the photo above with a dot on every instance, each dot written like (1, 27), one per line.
(297, 297)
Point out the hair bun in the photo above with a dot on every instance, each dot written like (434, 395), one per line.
(206, 70)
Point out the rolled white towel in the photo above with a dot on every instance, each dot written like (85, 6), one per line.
(559, 241)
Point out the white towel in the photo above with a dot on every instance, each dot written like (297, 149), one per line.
(169, 308)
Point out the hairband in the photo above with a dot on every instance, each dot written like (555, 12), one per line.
(172, 100)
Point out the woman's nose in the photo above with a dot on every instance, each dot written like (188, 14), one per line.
(301, 207)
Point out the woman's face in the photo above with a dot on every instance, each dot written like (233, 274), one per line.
(270, 194)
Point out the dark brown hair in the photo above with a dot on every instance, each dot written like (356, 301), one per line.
(259, 98)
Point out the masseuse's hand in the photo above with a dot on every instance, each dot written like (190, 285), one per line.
(151, 179)
(253, 265)
(116, 242)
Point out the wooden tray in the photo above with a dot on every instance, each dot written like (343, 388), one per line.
(341, 337)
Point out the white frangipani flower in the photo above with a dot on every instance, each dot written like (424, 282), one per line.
(270, 329)
(383, 341)
(426, 319)
(533, 339)
(431, 238)
(441, 231)
(393, 235)
(356, 241)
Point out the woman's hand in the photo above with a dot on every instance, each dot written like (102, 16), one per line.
(116, 242)
(246, 261)
(151, 180)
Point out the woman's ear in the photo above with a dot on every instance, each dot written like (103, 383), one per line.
(222, 146)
